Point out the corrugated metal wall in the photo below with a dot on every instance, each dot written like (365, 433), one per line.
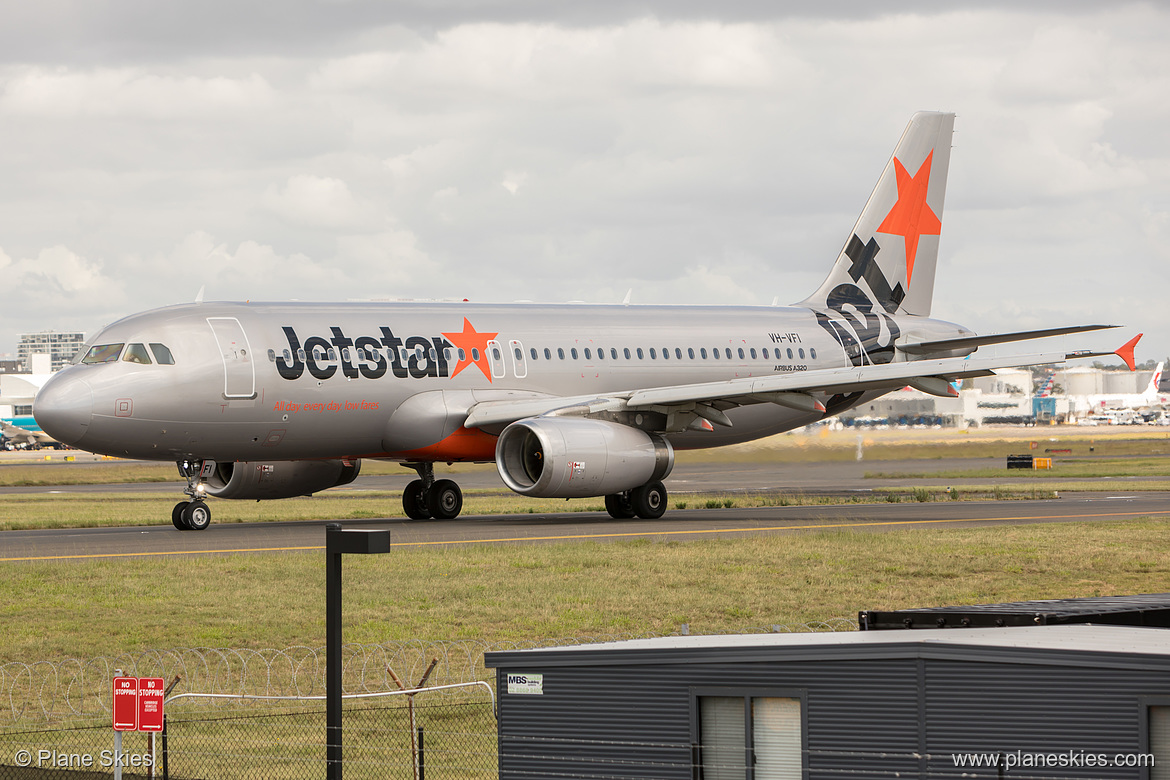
(885, 717)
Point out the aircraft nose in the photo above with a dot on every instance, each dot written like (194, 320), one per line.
(64, 408)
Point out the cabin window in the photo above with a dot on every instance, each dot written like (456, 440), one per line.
(103, 353)
(703, 352)
(474, 354)
(790, 353)
(653, 356)
(613, 353)
(639, 353)
(588, 355)
(162, 354)
(690, 352)
(626, 350)
(812, 353)
(728, 351)
(547, 354)
(136, 353)
(573, 352)
(801, 353)
(741, 355)
(678, 353)
(301, 355)
(753, 353)
(561, 353)
(600, 353)
(766, 353)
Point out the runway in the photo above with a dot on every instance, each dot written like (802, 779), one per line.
(678, 525)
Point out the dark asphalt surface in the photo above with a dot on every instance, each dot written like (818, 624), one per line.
(818, 478)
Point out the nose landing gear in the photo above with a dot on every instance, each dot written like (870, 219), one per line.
(193, 514)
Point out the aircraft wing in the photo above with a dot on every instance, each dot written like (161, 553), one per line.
(24, 435)
(793, 390)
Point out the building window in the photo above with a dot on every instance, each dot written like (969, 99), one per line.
(1159, 741)
(750, 738)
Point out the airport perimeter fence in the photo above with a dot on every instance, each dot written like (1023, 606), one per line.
(260, 714)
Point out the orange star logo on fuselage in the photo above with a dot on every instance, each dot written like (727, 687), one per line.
(471, 343)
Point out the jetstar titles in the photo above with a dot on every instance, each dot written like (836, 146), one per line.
(364, 356)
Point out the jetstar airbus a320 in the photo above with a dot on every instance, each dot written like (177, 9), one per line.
(273, 400)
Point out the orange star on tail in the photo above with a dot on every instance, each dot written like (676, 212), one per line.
(911, 217)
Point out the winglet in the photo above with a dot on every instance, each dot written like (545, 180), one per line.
(1125, 351)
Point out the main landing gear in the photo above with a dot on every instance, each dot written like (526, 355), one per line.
(193, 514)
(427, 497)
(647, 502)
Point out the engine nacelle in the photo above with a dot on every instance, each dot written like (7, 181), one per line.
(278, 479)
(574, 457)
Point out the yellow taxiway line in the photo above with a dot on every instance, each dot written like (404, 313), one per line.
(570, 537)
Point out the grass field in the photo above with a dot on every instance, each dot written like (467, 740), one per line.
(104, 607)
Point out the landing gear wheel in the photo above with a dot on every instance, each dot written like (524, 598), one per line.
(196, 515)
(177, 516)
(649, 501)
(444, 500)
(619, 507)
(414, 501)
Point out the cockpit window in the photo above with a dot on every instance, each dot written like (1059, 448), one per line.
(103, 353)
(162, 354)
(136, 353)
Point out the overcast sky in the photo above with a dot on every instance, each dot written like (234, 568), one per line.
(501, 151)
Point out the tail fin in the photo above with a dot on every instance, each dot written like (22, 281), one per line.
(1152, 388)
(894, 245)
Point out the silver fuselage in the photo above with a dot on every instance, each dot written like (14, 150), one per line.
(286, 381)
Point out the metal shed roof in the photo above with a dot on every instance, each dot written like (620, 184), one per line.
(1147, 609)
(1064, 644)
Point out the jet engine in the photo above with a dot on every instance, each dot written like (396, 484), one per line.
(573, 457)
(278, 479)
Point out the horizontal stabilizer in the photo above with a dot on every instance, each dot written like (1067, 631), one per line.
(973, 342)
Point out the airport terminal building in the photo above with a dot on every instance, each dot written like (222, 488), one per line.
(1008, 399)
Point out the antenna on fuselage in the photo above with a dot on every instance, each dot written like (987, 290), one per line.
(199, 295)
(626, 300)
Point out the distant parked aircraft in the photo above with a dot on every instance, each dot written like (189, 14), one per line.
(1150, 397)
(24, 433)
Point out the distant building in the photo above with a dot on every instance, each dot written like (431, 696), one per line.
(60, 347)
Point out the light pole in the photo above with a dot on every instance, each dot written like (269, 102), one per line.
(338, 543)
